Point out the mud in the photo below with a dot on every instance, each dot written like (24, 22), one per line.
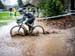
(58, 43)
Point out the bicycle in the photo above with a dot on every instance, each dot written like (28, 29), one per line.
(22, 30)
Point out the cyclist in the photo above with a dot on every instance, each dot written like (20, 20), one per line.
(29, 16)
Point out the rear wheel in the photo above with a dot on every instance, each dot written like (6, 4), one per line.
(18, 30)
(38, 29)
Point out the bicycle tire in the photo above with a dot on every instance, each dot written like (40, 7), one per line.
(24, 29)
(43, 31)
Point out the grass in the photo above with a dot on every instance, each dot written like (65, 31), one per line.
(7, 18)
(5, 15)
(3, 23)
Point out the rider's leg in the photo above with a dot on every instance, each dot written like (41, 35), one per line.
(29, 23)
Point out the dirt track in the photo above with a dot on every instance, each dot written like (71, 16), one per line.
(57, 43)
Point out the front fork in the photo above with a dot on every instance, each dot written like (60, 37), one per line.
(20, 26)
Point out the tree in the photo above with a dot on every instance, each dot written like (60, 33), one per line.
(20, 3)
(72, 5)
(51, 7)
(1, 5)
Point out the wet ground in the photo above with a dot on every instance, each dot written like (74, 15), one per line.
(57, 43)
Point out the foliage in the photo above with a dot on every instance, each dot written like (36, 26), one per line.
(20, 3)
(51, 7)
(1, 5)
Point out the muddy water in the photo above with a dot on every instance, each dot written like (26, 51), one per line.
(53, 44)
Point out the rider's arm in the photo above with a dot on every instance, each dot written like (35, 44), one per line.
(26, 20)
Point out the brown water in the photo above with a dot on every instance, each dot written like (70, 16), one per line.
(53, 44)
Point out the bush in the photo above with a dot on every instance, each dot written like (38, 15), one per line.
(51, 7)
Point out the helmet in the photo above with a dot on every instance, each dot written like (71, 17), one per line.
(20, 10)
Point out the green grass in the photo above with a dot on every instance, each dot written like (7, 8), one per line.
(3, 23)
(17, 13)
(6, 15)
(7, 18)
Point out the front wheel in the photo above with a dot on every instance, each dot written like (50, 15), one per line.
(38, 29)
(18, 30)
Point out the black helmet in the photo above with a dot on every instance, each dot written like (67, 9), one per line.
(20, 10)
